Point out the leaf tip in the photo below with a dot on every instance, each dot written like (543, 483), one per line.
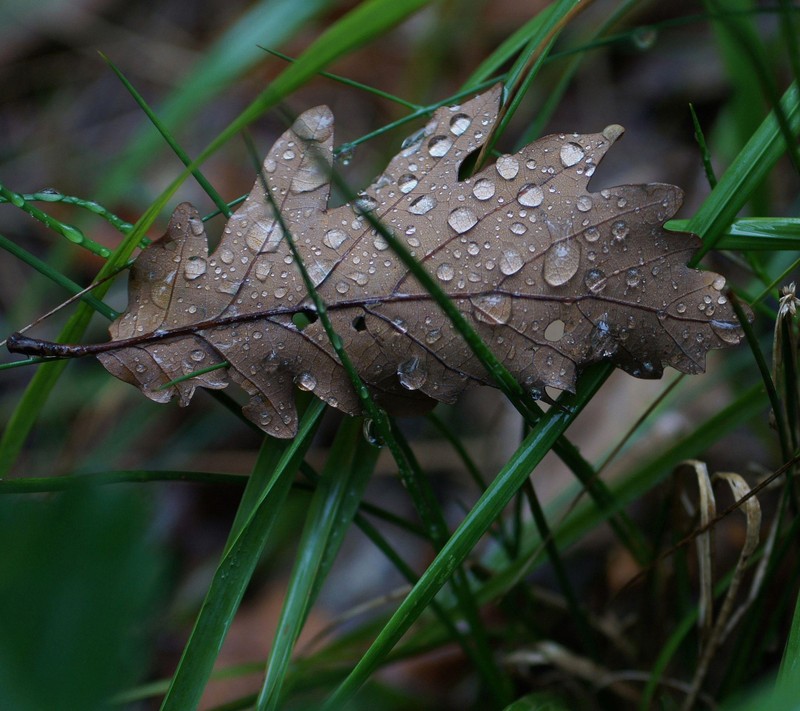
(613, 132)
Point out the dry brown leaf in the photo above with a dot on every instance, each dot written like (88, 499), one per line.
(552, 277)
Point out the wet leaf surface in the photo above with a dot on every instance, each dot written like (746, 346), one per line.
(553, 277)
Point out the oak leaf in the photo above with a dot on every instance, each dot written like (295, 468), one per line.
(553, 277)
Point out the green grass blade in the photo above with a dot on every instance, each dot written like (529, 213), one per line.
(744, 175)
(767, 234)
(236, 566)
(535, 446)
(267, 22)
(42, 383)
(72, 234)
(349, 466)
(56, 277)
(201, 179)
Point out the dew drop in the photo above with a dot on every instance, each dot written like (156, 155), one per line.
(380, 243)
(288, 155)
(493, 309)
(561, 262)
(633, 277)
(681, 308)
(407, 182)
(728, 331)
(473, 248)
(483, 189)
(195, 267)
(530, 196)
(507, 167)
(422, 205)
(197, 355)
(595, 280)
(365, 203)
(411, 374)
(718, 283)
(263, 270)
(264, 236)
(432, 336)
(342, 287)
(620, 230)
(334, 238)
(226, 256)
(439, 145)
(518, 228)
(459, 123)
(592, 234)
(510, 262)
(305, 381)
(584, 203)
(571, 153)
(359, 278)
(445, 272)
(196, 226)
(462, 219)
(270, 165)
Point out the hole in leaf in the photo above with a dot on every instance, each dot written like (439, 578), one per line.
(359, 323)
(303, 318)
(467, 167)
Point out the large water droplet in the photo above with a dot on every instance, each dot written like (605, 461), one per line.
(197, 355)
(494, 309)
(561, 261)
(411, 374)
(620, 230)
(459, 123)
(365, 203)
(507, 167)
(271, 362)
(584, 203)
(308, 177)
(334, 238)
(432, 336)
(483, 189)
(510, 262)
(422, 205)
(462, 219)
(439, 145)
(196, 226)
(264, 236)
(728, 331)
(194, 267)
(305, 381)
(226, 256)
(571, 153)
(161, 294)
(633, 276)
(530, 196)
(595, 280)
(262, 270)
(445, 272)
(592, 234)
(407, 182)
